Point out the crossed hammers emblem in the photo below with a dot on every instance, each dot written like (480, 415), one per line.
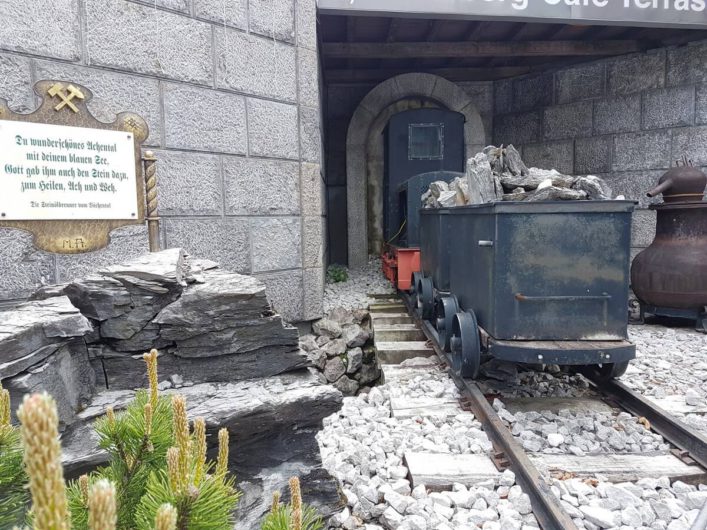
(57, 89)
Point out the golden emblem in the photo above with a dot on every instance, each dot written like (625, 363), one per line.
(57, 89)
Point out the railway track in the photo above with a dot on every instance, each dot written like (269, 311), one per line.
(687, 460)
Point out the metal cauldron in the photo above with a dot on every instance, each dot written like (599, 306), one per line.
(669, 277)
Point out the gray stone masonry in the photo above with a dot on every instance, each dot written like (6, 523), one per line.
(626, 119)
(231, 94)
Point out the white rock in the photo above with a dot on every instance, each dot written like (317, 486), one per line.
(555, 439)
(601, 517)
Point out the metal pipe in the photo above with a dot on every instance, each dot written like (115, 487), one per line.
(701, 519)
(660, 188)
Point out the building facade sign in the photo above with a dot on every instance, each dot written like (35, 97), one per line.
(658, 13)
(71, 179)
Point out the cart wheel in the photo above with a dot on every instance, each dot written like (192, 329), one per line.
(413, 284)
(425, 298)
(605, 372)
(445, 309)
(465, 345)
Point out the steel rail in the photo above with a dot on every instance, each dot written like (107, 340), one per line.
(673, 430)
(546, 506)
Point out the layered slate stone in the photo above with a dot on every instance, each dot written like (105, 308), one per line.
(228, 313)
(35, 330)
(272, 423)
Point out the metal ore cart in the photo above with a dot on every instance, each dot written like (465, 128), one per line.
(537, 282)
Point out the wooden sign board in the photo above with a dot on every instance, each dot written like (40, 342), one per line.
(65, 176)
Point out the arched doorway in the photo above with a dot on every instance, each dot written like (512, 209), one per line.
(365, 151)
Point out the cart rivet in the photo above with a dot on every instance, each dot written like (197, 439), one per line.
(540, 357)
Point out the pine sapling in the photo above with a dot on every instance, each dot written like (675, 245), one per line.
(14, 498)
(102, 513)
(293, 516)
(202, 493)
(42, 457)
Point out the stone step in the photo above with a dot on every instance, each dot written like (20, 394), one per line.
(397, 332)
(399, 351)
(391, 318)
(380, 296)
(424, 407)
(387, 308)
(441, 471)
(618, 467)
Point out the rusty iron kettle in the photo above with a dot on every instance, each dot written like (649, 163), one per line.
(683, 183)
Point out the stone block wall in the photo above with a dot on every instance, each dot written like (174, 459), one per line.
(626, 119)
(230, 91)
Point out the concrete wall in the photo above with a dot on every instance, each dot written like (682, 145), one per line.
(230, 90)
(625, 119)
(341, 103)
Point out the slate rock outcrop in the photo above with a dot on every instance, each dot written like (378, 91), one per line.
(238, 364)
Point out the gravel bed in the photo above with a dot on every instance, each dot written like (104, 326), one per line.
(647, 504)
(363, 447)
(670, 362)
(352, 294)
(580, 433)
(516, 381)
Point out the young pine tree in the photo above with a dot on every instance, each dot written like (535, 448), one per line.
(293, 516)
(136, 441)
(14, 497)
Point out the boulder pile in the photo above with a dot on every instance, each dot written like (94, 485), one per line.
(341, 350)
(499, 174)
(236, 361)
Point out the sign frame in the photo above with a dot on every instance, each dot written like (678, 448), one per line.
(66, 103)
(536, 11)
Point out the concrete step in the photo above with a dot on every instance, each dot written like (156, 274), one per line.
(399, 351)
(397, 332)
(387, 308)
(390, 318)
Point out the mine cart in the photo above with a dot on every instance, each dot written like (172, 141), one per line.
(539, 283)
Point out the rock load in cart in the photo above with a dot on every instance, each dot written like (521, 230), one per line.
(527, 278)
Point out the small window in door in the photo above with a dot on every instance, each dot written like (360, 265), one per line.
(426, 141)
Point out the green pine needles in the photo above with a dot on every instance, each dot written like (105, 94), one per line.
(293, 516)
(155, 460)
(14, 497)
(158, 476)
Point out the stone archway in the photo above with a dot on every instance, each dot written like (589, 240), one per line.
(364, 146)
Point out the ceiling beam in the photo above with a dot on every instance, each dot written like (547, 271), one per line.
(421, 50)
(452, 74)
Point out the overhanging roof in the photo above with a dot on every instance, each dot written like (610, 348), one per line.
(369, 49)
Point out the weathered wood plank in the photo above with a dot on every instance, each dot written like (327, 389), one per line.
(453, 74)
(556, 404)
(677, 404)
(421, 50)
(395, 372)
(424, 407)
(441, 471)
(619, 467)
